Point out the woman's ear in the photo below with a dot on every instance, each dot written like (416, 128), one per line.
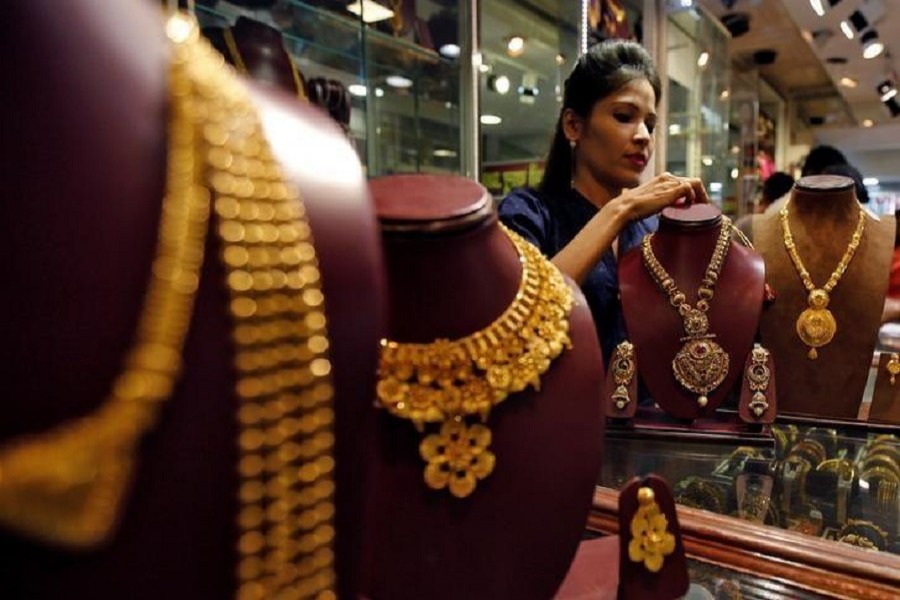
(572, 125)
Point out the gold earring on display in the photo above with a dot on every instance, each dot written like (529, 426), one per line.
(651, 540)
(623, 372)
(893, 367)
(758, 375)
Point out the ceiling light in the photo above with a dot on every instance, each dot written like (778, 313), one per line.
(848, 82)
(887, 90)
(379, 93)
(868, 123)
(370, 11)
(872, 47)
(498, 83)
(515, 45)
(715, 186)
(484, 68)
(398, 81)
(817, 7)
(703, 59)
(357, 89)
(870, 181)
(734, 173)
(444, 153)
(807, 35)
(674, 129)
(449, 50)
(707, 161)
(725, 94)
(560, 59)
(858, 21)
(490, 120)
(848, 31)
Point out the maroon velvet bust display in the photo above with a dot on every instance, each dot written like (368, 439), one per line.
(684, 246)
(451, 271)
(83, 237)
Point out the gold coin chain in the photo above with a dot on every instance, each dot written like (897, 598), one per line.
(700, 365)
(284, 387)
(816, 325)
(447, 380)
(67, 486)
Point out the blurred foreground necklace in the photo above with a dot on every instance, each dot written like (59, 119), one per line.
(67, 486)
(446, 381)
(816, 325)
(701, 364)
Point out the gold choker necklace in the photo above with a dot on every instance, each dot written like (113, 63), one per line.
(701, 364)
(448, 380)
(816, 325)
(67, 486)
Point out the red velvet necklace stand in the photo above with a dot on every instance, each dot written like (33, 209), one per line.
(451, 271)
(684, 245)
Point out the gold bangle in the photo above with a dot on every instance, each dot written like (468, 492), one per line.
(843, 467)
(880, 460)
(886, 449)
(696, 492)
(866, 529)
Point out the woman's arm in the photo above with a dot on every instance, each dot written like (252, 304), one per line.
(581, 254)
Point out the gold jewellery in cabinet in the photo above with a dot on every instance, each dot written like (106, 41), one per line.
(447, 381)
(623, 369)
(893, 367)
(758, 376)
(651, 540)
(67, 485)
(816, 325)
(701, 364)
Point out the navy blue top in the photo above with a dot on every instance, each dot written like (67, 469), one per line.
(550, 223)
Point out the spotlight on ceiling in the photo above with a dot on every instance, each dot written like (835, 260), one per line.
(515, 45)
(498, 83)
(886, 90)
(872, 46)
(868, 122)
(859, 21)
(849, 82)
(848, 31)
(819, 5)
(893, 106)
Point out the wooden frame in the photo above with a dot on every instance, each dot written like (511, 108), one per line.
(824, 567)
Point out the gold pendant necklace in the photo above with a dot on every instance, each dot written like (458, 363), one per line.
(816, 325)
(701, 365)
(448, 380)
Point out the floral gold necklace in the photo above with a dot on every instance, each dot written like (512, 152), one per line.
(447, 381)
(816, 325)
(701, 364)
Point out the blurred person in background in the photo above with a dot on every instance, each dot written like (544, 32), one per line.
(776, 187)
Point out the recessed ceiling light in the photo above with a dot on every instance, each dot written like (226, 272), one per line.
(370, 11)
(848, 82)
(872, 46)
(868, 123)
(398, 81)
(449, 50)
(674, 129)
(870, 181)
(484, 68)
(379, 92)
(848, 31)
(357, 89)
(445, 153)
(490, 120)
(707, 161)
(725, 94)
(734, 173)
(703, 59)
(515, 45)
(817, 7)
(499, 83)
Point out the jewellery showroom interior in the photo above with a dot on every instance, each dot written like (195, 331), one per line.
(426, 299)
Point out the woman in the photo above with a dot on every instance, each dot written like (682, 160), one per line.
(590, 205)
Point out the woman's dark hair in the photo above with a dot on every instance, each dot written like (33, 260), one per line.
(820, 158)
(605, 68)
(862, 194)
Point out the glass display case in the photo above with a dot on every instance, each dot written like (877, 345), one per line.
(399, 62)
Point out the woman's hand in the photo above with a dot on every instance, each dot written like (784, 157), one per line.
(661, 191)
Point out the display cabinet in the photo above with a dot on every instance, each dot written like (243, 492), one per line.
(398, 61)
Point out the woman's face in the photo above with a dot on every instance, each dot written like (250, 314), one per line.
(615, 142)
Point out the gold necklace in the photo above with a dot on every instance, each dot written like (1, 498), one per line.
(241, 67)
(448, 380)
(67, 486)
(816, 325)
(701, 364)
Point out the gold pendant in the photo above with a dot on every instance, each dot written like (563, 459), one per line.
(893, 367)
(700, 366)
(623, 372)
(816, 325)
